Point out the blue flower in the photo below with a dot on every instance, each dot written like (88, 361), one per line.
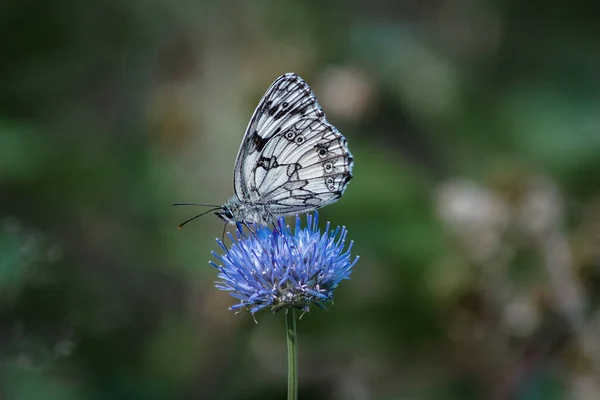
(280, 269)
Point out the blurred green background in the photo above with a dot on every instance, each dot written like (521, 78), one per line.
(475, 206)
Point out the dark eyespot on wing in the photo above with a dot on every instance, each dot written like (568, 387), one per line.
(322, 149)
(290, 134)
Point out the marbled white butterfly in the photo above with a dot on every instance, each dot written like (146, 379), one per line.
(291, 160)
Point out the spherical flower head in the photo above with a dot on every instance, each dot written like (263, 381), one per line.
(280, 268)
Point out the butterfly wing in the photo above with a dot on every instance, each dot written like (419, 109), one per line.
(291, 158)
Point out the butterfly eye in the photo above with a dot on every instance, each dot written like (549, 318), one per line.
(289, 135)
(300, 140)
(329, 181)
(322, 153)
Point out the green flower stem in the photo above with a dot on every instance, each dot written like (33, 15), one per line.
(292, 352)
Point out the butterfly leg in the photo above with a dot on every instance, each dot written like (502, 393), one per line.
(223, 235)
(249, 228)
(274, 221)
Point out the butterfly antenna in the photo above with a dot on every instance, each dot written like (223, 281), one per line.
(197, 216)
(196, 204)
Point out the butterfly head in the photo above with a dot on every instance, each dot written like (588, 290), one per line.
(235, 210)
(232, 211)
(226, 214)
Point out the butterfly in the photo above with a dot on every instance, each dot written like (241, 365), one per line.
(291, 159)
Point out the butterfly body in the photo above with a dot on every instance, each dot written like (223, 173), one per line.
(291, 159)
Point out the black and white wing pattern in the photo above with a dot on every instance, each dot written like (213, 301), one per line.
(291, 158)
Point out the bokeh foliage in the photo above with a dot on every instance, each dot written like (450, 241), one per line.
(475, 205)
